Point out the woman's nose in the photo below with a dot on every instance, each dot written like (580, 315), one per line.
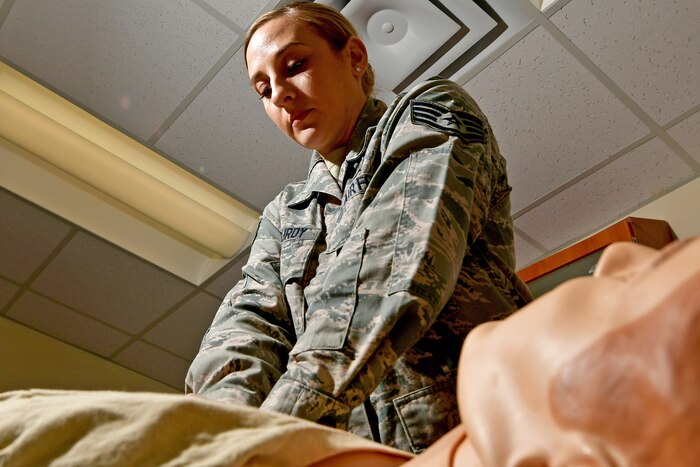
(282, 94)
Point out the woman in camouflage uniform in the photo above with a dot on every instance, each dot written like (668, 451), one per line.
(364, 279)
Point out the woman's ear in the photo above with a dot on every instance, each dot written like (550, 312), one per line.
(358, 54)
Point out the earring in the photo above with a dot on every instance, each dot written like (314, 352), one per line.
(358, 69)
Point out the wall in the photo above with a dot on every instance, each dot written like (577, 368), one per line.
(29, 359)
(679, 208)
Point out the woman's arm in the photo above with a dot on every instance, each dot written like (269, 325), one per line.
(245, 350)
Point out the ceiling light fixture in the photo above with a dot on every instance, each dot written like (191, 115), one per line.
(69, 162)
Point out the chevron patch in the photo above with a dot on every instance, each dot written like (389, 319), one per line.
(441, 118)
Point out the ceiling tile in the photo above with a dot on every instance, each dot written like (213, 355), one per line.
(182, 331)
(605, 196)
(525, 252)
(155, 363)
(62, 323)
(225, 282)
(650, 48)
(98, 279)
(130, 61)
(28, 236)
(552, 118)
(687, 133)
(226, 136)
(7, 291)
(241, 13)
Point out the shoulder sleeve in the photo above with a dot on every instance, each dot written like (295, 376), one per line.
(245, 349)
(436, 107)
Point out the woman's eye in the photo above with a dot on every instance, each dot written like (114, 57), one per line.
(265, 92)
(295, 66)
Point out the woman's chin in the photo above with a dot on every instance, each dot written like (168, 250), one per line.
(309, 138)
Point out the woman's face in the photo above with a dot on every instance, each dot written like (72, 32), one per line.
(312, 92)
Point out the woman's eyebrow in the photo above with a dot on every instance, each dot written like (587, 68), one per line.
(259, 74)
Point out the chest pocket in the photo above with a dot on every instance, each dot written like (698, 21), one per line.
(296, 268)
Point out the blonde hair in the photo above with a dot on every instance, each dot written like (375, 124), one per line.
(325, 21)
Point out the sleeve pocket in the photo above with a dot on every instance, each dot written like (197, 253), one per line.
(412, 269)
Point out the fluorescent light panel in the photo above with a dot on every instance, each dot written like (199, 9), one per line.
(60, 157)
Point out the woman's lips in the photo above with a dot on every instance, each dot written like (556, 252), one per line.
(297, 118)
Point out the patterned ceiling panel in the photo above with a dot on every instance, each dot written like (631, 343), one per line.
(409, 40)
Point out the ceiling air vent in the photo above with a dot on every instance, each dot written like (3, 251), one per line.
(410, 40)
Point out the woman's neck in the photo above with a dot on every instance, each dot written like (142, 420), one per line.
(334, 160)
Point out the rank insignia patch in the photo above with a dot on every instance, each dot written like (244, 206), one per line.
(441, 118)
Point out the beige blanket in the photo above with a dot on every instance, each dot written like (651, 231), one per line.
(78, 428)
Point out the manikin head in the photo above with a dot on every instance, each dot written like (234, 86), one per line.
(601, 371)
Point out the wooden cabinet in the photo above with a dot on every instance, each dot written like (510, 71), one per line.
(580, 259)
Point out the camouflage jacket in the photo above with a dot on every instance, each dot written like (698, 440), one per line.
(358, 293)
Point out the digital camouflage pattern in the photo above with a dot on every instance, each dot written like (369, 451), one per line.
(358, 293)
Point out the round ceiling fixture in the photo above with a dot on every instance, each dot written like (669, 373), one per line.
(387, 27)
